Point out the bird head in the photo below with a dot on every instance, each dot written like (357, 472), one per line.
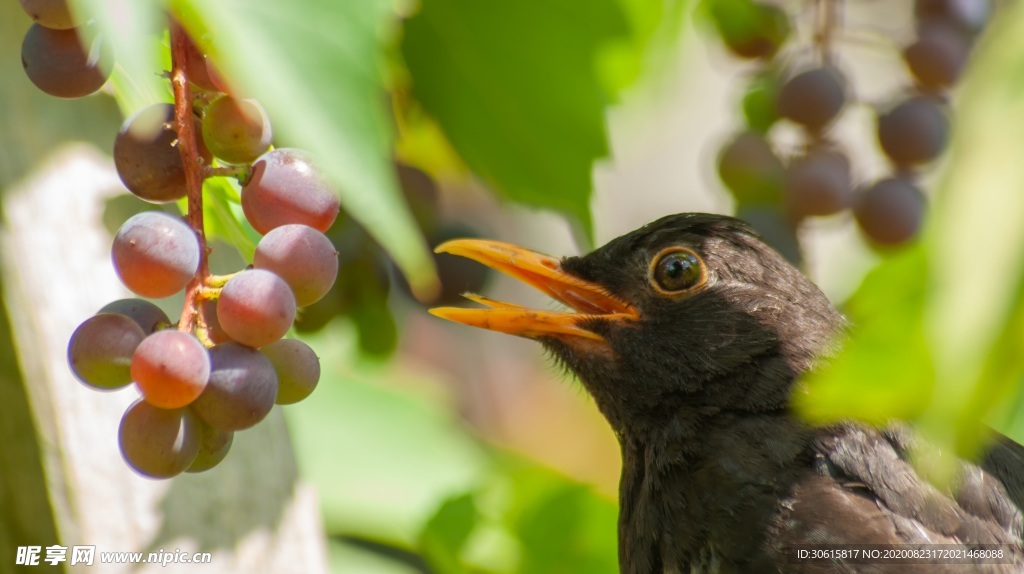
(691, 311)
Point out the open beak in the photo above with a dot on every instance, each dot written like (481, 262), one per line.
(587, 300)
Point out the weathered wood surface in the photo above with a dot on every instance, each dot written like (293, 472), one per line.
(252, 513)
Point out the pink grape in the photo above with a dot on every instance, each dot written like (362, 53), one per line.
(171, 368)
(303, 257)
(155, 255)
(256, 308)
(286, 187)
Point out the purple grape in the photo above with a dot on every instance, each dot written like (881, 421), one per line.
(158, 443)
(147, 315)
(242, 388)
(813, 98)
(147, 157)
(891, 211)
(914, 132)
(297, 368)
(100, 350)
(938, 56)
(59, 63)
(214, 445)
(819, 184)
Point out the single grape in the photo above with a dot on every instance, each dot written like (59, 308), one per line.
(819, 184)
(195, 60)
(303, 257)
(285, 187)
(968, 15)
(147, 158)
(750, 169)
(242, 388)
(913, 132)
(65, 63)
(256, 307)
(214, 445)
(155, 254)
(938, 56)
(158, 443)
(297, 368)
(750, 29)
(100, 350)
(813, 98)
(236, 131)
(217, 79)
(53, 14)
(171, 369)
(891, 211)
(147, 315)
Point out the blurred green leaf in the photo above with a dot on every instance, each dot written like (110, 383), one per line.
(565, 531)
(884, 370)
(346, 558)
(447, 532)
(938, 329)
(357, 440)
(315, 65)
(974, 313)
(520, 89)
(135, 31)
(223, 217)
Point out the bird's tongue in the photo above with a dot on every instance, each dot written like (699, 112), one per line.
(543, 273)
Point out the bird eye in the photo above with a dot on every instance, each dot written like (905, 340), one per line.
(675, 270)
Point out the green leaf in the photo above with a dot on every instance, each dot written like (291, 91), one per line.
(446, 533)
(357, 439)
(140, 53)
(884, 371)
(938, 330)
(976, 311)
(520, 89)
(315, 65)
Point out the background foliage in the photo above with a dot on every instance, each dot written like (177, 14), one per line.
(516, 95)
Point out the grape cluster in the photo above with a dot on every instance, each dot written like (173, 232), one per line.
(778, 189)
(223, 364)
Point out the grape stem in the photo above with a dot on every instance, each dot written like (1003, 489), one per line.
(240, 172)
(193, 162)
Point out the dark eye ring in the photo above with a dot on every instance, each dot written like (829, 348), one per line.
(675, 270)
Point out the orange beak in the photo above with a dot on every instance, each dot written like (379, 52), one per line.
(543, 272)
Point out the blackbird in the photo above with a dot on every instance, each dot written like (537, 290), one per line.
(690, 334)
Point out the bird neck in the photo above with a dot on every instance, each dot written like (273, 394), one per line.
(705, 473)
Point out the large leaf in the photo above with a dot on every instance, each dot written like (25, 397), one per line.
(520, 89)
